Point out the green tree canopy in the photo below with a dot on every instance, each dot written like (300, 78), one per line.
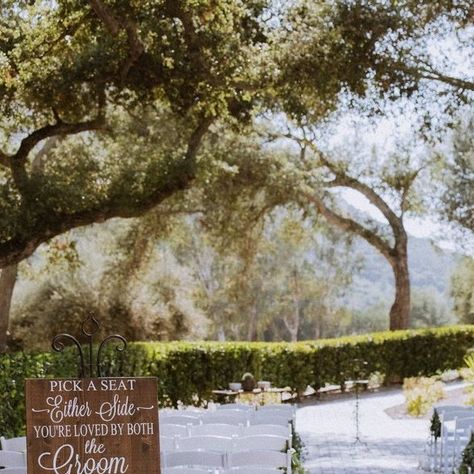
(99, 69)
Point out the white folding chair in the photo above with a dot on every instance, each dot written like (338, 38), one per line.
(454, 441)
(14, 470)
(189, 410)
(205, 443)
(447, 408)
(236, 406)
(462, 435)
(231, 412)
(452, 415)
(168, 443)
(187, 470)
(180, 420)
(226, 417)
(217, 429)
(287, 409)
(13, 444)
(275, 430)
(253, 470)
(267, 442)
(278, 413)
(260, 458)
(174, 430)
(206, 459)
(12, 459)
(268, 418)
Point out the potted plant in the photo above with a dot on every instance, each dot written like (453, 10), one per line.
(248, 382)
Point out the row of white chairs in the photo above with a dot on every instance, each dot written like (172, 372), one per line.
(240, 461)
(223, 429)
(232, 429)
(231, 439)
(228, 416)
(234, 470)
(457, 424)
(191, 461)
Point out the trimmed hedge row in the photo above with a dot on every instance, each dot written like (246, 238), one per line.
(188, 372)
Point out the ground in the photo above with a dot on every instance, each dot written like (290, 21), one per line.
(388, 445)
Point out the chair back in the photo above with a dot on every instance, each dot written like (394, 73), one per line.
(196, 458)
(260, 458)
(447, 408)
(452, 415)
(268, 418)
(12, 459)
(227, 417)
(185, 470)
(205, 443)
(179, 420)
(218, 429)
(253, 470)
(464, 425)
(267, 442)
(13, 444)
(277, 412)
(168, 443)
(236, 406)
(171, 430)
(287, 409)
(268, 429)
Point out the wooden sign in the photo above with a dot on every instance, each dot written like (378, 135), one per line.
(92, 426)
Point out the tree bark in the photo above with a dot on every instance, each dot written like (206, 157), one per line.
(7, 285)
(292, 322)
(252, 324)
(400, 310)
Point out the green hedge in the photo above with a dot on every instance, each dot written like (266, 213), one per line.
(188, 372)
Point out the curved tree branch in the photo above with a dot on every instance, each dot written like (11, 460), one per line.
(349, 182)
(347, 224)
(344, 180)
(59, 128)
(113, 25)
(429, 73)
(17, 249)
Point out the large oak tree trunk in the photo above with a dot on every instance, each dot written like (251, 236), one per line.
(400, 310)
(397, 255)
(7, 285)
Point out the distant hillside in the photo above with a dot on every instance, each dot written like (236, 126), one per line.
(430, 267)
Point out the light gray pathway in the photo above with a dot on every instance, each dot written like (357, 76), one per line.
(390, 446)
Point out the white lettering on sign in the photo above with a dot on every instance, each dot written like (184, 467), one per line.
(74, 465)
(109, 410)
(65, 386)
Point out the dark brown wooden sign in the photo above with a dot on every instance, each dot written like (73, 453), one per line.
(92, 426)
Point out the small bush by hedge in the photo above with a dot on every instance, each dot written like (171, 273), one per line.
(188, 372)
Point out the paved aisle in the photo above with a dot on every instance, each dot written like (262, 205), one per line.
(392, 446)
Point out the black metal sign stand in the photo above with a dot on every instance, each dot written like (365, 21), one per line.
(357, 381)
(89, 328)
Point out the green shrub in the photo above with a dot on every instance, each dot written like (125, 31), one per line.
(188, 372)
(435, 425)
(467, 463)
(421, 393)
